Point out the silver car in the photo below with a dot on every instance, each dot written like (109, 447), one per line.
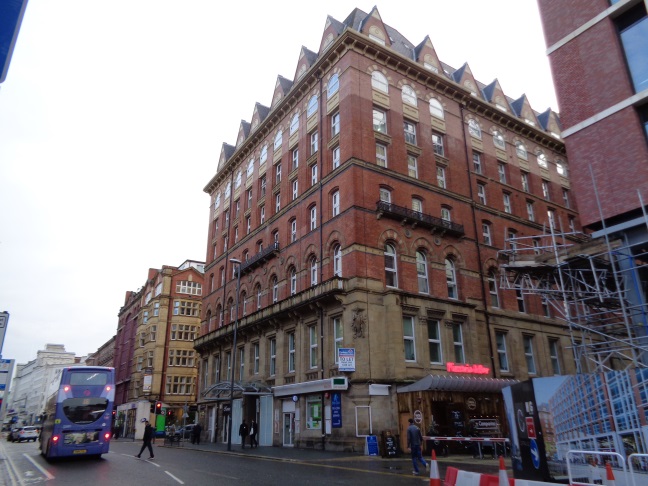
(26, 433)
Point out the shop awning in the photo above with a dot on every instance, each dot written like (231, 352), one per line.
(458, 384)
(222, 390)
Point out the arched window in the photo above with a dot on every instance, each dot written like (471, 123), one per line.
(451, 278)
(379, 81)
(446, 215)
(542, 160)
(275, 289)
(294, 123)
(312, 105)
(436, 109)
(385, 195)
(264, 155)
(391, 272)
(277, 140)
(232, 310)
(422, 273)
(492, 288)
(521, 150)
(337, 260)
(244, 302)
(333, 86)
(312, 264)
(219, 313)
(474, 128)
(498, 140)
(409, 95)
(293, 281)
(250, 168)
(257, 291)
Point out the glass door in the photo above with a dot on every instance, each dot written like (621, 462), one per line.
(288, 429)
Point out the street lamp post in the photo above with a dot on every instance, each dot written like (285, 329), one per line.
(231, 400)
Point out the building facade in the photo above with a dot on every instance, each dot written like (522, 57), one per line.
(353, 248)
(104, 356)
(125, 345)
(605, 127)
(33, 380)
(163, 365)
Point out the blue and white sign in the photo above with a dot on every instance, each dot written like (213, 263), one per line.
(535, 454)
(336, 410)
(371, 447)
(346, 359)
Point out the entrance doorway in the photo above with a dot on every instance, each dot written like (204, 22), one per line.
(289, 429)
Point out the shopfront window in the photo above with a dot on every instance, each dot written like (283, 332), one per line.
(314, 413)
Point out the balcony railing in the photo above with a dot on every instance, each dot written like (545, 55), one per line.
(278, 310)
(260, 258)
(416, 218)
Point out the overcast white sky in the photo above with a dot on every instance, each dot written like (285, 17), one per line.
(112, 119)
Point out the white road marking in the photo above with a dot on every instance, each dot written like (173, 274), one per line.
(43, 471)
(181, 482)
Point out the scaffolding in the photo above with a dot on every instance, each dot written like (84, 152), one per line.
(596, 286)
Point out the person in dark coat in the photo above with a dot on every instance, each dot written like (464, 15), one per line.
(243, 432)
(195, 434)
(149, 432)
(254, 429)
(414, 439)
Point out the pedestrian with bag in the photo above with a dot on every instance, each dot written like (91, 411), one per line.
(414, 440)
(149, 432)
(243, 432)
(253, 433)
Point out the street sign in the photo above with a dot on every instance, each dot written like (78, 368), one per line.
(336, 410)
(11, 15)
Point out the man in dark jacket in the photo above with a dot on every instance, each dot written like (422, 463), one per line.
(243, 432)
(414, 439)
(149, 432)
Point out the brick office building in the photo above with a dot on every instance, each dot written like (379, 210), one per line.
(154, 344)
(598, 51)
(367, 206)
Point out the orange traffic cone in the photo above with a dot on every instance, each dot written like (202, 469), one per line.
(435, 480)
(503, 478)
(609, 475)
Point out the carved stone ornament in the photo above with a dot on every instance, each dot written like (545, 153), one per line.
(358, 323)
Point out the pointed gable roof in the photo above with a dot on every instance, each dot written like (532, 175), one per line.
(373, 26)
(244, 131)
(259, 114)
(425, 54)
(465, 78)
(332, 29)
(226, 152)
(550, 121)
(522, 109)
(282, 87)
(306, 59)
(493, 93)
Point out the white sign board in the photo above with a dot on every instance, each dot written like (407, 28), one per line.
(346, 359)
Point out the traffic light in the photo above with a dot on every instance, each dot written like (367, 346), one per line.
(158, 408)
(170, 414)
(152, 407)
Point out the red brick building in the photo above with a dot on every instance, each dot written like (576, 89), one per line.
(366, 206)
(598, 51)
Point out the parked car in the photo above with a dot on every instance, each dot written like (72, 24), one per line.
(26, 433)
(185, 432)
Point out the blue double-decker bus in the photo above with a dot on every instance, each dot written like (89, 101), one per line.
(77, 420)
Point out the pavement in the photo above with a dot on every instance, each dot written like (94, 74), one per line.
(354, 460)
